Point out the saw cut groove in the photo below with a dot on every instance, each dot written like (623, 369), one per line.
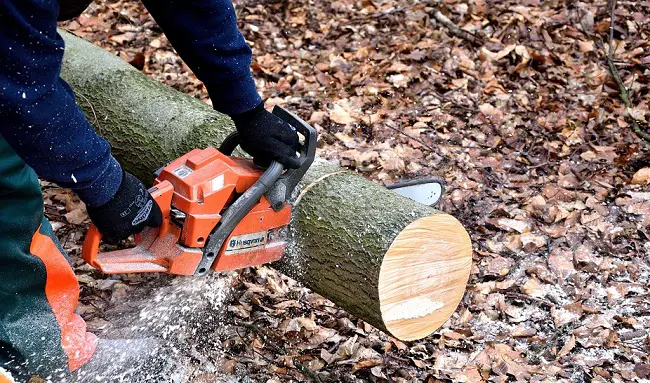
(423, 276)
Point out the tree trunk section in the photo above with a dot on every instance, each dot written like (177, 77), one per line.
(396, 264)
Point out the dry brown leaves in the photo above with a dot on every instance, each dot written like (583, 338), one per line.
(530, 134)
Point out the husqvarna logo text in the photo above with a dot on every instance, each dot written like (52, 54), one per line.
(247, 242)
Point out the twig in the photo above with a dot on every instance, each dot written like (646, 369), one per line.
(617, 77)
(612, 16)
(455, 29)
(540, 165)
(433, 150)
(270, 344)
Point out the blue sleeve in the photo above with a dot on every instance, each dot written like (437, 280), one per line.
(205, 34)
(39, 117)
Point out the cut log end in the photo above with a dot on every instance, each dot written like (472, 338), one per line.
(423, 276)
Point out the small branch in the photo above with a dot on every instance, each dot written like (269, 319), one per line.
(431, 148)
(625, 97)
(307, 371)
(612, 17)
(455, 29)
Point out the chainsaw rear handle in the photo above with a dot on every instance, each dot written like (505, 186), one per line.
(161, 193)
(307, 153)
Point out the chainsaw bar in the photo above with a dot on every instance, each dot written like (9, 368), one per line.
(427, 191)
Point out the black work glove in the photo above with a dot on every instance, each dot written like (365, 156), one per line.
(267, 137)
(128, 212)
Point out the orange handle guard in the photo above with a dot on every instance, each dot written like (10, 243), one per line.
(90, 247)
(162, 194)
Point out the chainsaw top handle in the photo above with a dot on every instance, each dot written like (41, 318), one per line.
(281, 190)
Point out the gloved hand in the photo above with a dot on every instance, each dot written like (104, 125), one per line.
(267, 137)
(128, 212)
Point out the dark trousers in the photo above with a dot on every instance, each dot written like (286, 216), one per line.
(39, 332)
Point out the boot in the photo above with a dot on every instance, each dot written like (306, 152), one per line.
(128, 361)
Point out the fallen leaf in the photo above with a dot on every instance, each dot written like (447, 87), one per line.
(513, 224)
(340, 115)
(366, 364)
(76, 217)
(469, 375)
(641, 177)
(568, 346)
(533, 288)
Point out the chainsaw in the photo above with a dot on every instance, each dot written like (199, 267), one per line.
(222, 212)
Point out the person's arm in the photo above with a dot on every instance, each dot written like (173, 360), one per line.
(205, 34)
(41, 121)
(38, 114)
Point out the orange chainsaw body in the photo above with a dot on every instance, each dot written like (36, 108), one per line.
(219, 212)
(192, 192)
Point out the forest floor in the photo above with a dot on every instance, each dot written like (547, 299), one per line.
(517, 111)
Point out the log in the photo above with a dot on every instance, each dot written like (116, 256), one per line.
(396, 264)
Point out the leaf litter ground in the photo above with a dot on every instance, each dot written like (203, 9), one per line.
(522, 118)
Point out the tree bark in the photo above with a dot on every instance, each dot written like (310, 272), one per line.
(396, 264)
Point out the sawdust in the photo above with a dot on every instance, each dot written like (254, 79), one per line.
(413, 308)
(186, 313)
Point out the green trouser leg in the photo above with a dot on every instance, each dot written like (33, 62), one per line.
(39, 333)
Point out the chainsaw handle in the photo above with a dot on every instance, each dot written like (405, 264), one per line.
(162, 195)
(282, 190)
(307, 149)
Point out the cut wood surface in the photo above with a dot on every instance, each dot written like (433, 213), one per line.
(396, 264)
(423, 276)
(378, 255)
